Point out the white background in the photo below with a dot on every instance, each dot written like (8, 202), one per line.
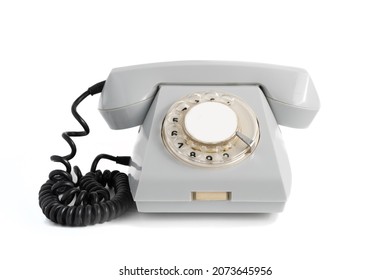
(336, 222)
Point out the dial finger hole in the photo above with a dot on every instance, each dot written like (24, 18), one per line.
(195, 98)
(174, 118)
(182, 107)
(173, 131)
(180, 143)
(211, 96)
(228, 100)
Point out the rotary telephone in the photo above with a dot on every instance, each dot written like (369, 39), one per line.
(208, 141)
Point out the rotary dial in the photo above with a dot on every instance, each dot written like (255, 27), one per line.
(210, 129)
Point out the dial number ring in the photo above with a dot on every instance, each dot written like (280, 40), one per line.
(180, 139)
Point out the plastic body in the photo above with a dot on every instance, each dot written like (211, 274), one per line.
(129, 91)
(161, 183)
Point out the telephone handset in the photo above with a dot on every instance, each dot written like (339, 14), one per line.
(129, 91)
(209, 141)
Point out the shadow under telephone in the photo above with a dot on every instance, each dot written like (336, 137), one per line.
(209, 141)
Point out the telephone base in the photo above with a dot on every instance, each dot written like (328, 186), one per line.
(160, 182)
(210, 207)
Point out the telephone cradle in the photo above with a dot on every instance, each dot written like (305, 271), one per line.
(209, 141)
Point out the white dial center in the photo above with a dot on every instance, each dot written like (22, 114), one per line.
(211, 122)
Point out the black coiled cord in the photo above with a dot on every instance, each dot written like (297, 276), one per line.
(88, 200)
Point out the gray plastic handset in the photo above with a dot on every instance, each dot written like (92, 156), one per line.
(129, 91)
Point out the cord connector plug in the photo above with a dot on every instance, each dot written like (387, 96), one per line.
(96, 88)
(123, 160)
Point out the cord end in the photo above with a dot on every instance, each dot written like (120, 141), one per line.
(123, 160)
(96, 88)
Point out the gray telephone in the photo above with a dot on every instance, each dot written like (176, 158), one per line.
(209, 139)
